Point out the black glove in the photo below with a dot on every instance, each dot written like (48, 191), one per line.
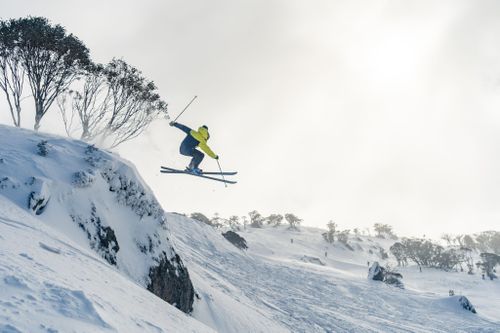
(216, 157)
(172, 123)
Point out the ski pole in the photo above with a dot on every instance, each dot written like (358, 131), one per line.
(185, 108)
(220, 169)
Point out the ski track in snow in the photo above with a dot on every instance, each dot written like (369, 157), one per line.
(312, 298)
(47, 285)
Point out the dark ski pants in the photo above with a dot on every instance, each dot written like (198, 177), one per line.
(197, 156)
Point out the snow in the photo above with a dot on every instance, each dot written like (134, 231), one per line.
(50, 284)
(54, 278)
(272, 279)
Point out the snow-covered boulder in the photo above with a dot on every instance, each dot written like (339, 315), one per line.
(376, 272)
(39, 196)
(379, 273)
(312, 260)
(466, 304)
(98, 200)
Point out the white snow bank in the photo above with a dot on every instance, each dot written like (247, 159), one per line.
(50, 284)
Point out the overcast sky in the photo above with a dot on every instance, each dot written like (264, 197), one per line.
(355, 111)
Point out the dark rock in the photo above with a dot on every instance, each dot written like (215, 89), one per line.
(466, 304)
(236, 240)
(102, 239)
(37, 202)
(170, 281)
(376, 272)
(379, 273)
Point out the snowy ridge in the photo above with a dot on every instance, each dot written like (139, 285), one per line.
(99, 201)
(272, 279)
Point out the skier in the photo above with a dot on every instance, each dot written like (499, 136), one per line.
(193, 140)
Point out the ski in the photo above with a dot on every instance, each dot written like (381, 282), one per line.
(224, 173)
(174, 171)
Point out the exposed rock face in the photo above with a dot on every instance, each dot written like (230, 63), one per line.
(170, 281)
(379, 273)
(40, 195)
(376, 272)
(102, 238)
(236, 240)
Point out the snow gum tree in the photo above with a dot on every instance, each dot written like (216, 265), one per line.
(50, 57)
(384, 230)
(256, 219)
(12, 73)
(274, 219)
(293, 220)
(113, 103)
(329, 236)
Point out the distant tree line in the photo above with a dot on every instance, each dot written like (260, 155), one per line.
(486, 241)
(342, 236)
(253, 220)
(109, 103)
(426, 253)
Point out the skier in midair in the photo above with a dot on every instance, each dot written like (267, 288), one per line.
(193, 140)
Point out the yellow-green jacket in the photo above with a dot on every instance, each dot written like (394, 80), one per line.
(195, 139)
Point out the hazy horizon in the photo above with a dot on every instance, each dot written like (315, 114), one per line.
(359, 112)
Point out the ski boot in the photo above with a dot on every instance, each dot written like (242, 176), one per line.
(196, 171)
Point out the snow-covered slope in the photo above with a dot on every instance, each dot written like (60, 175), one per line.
(295, 287)
(99, 202)
(50, 284)
(82, 237)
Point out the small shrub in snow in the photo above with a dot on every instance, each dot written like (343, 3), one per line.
(83, 179)
(236, 240)
(43, 148)
(6, 182)
(91, 149)
(201, 218)
(132, 194)
(312, 260)
(93, 158)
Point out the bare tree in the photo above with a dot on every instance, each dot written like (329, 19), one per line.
(113, 103)
(89, 101)
(12, 73)
(134, 102)
(448, 238)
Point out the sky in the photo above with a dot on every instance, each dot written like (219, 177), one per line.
(359, 112)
